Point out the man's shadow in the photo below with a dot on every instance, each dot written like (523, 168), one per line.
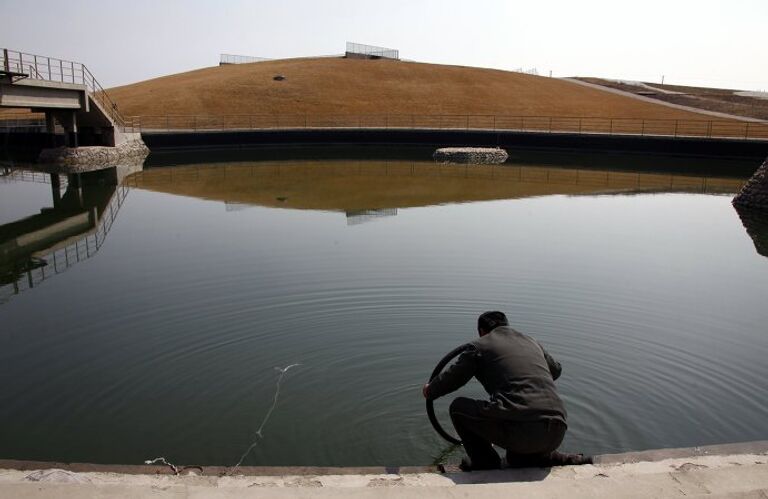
(504, 475)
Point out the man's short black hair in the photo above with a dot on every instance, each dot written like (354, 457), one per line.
(488, 321)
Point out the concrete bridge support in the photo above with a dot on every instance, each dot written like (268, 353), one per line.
(68, 120)
(56, 189)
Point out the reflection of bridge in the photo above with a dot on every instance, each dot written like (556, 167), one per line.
(38, 247)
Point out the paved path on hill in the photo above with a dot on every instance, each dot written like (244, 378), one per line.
(662, 103)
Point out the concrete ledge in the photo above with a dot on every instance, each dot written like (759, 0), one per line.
(740, 475)
(756, 447)
(160, 469)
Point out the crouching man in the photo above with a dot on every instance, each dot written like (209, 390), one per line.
(524, 415)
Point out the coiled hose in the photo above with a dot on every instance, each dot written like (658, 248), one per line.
(430, 406)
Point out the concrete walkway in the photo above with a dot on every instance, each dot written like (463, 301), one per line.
(738, 471)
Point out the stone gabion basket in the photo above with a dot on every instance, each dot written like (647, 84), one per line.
(79, 159)
(754, 194)
(471, 155)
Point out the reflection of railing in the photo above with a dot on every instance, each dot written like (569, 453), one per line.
(62, 259)
(538, 124)
(37, 67)
(362, 216)
(9, 175)
(17, 122)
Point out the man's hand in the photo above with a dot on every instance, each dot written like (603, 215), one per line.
(425, 390)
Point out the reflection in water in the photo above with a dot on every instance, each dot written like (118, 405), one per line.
(164, 344)
(364, 186)
(363, 216)
(756, 223)
(74, 228)
(40, 246)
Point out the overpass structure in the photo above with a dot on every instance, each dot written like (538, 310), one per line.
(66, 92)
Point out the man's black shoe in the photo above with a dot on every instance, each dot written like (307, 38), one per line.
(546, 460)
(562, 459)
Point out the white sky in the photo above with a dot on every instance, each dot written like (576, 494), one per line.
(704, 42)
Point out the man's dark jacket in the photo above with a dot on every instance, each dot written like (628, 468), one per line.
(514, 369)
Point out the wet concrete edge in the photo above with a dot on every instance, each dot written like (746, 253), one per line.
(159, 469)
(755, 447)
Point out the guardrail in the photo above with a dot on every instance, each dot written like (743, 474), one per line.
(37, 67)
(714, 129)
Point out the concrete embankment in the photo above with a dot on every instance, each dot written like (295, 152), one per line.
(513, 142)
(737, 470)
(186, 140)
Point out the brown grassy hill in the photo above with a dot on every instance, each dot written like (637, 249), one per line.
(339, 86)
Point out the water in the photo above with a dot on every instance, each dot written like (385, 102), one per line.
(161, 337)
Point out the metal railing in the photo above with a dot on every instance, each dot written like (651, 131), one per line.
(240, 59)
(37, 67)
(372, 51)
(536, 124)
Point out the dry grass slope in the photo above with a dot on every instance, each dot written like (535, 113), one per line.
(338, 86)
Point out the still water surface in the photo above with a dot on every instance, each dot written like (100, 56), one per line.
(161, 337)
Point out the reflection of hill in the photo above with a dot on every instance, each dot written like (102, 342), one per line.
(756, 223)
(366, 185)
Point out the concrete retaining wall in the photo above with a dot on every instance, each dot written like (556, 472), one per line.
(459, 138)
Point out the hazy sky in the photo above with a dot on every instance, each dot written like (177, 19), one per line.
(713, 43)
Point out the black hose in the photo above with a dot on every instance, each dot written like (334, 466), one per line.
(430, 407)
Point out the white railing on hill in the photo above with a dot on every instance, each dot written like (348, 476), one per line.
(372, 51)
(240, 59)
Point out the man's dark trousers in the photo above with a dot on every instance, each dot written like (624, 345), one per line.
(525, 442)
